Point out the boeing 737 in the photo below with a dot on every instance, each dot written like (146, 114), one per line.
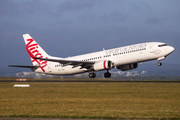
(123, 58)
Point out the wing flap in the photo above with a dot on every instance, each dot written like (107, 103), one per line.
(74, 63)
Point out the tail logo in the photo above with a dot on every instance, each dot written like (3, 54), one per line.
(32, 49)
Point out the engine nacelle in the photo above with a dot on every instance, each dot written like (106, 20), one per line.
(127, 67)
(102, 65)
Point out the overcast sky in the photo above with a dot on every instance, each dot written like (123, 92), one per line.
(73, 27)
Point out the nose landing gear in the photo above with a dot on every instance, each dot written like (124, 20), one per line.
(159, 59)
(159, 64)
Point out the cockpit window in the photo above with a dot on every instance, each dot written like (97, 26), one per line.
(162, 45)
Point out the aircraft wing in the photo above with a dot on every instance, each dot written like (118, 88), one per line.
(74, 63)
(23, 66)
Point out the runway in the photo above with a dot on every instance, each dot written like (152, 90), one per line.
(95, 80)
(63, 119)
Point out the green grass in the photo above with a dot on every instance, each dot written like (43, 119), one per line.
(91, 100)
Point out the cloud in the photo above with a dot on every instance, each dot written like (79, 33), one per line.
(114, 17)
(19, 8)
(16, 9)
(75, 5)
(152, 20)
(72, 27)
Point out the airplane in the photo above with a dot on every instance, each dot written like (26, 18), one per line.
(123, 58)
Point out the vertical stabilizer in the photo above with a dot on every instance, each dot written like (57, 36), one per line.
(34, 50)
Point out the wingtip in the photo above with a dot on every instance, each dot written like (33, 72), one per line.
(26, 34)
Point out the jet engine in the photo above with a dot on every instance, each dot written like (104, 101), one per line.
(103, 65)
(127, 67)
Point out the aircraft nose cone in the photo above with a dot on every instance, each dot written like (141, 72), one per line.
(170, 49)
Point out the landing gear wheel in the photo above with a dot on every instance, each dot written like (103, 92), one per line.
(107, 75)
(92, 75)
(159, 63)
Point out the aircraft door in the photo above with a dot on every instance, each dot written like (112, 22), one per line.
(49, 67)
(151, 48)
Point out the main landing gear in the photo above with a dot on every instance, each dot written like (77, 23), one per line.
(92, 75)
(107, 74)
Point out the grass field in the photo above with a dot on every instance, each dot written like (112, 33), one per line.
(91, 100)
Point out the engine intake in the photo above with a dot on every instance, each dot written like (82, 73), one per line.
(103, 65)
(127, 67)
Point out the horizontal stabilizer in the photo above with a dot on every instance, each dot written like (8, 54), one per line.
(23, 66)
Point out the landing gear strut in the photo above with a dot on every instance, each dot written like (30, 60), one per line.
(159, 64)
(107, 74)
(92, 75)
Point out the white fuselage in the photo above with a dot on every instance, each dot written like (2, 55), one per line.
(119, 56)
